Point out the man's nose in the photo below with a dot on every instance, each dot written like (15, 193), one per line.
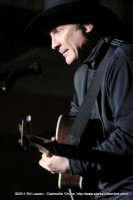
(55, 44)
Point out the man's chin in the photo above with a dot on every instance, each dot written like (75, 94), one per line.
(73, 62)
(70, 61)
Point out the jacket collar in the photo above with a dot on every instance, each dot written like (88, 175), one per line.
(97, 53)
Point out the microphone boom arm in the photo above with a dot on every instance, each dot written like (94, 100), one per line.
(10, 77)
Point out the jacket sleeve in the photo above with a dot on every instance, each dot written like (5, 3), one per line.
(119, 93)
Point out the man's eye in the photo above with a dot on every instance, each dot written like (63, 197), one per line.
(58, 30)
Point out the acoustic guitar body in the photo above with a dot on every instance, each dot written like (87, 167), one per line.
(66, 180)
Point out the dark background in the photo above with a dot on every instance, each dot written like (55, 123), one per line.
(43, 96)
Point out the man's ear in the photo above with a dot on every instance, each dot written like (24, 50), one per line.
(88, 28)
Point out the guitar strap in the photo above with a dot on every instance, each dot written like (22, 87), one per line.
(82, 118)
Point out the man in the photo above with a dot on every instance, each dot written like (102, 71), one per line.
(79, 31)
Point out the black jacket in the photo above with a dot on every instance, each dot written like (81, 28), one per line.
(111, 120)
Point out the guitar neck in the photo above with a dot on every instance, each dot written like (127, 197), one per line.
(59, 148)
(55, 148)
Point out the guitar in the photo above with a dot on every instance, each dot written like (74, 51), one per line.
(64, 124)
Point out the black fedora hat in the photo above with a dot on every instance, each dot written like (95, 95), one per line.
(63, 11)
(59, 12)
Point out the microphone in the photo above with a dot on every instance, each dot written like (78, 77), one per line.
(12, 76)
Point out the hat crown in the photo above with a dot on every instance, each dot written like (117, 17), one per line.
(60, 12)
(53, 3)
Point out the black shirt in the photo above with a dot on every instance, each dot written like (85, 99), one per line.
(114, 110)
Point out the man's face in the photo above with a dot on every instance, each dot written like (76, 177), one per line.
(69, 41)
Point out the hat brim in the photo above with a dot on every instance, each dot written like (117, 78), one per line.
(66, 13)
(70, 14)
